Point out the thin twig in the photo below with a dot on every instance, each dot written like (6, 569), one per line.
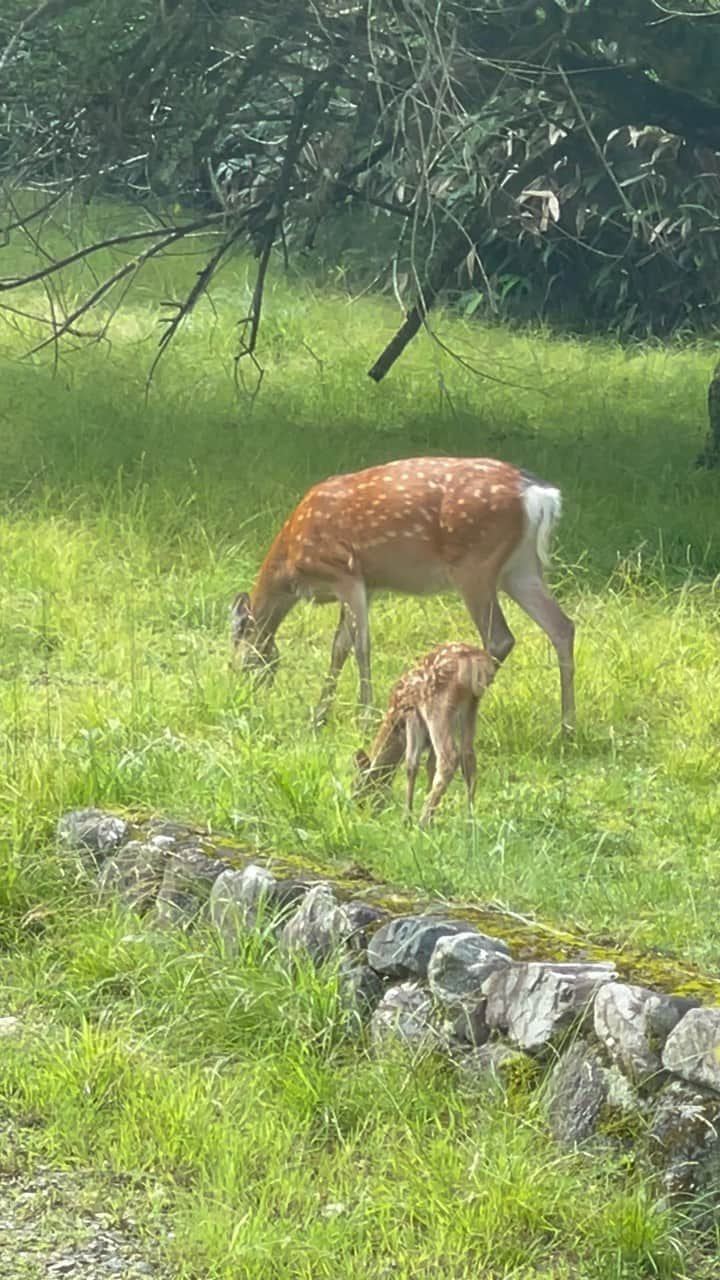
(293, 147)
(31, 217)
(107, 284)
(17, 282)
(184, 308)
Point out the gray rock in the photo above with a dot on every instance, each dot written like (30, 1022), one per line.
(319, 927)
(175, 832)
(93, 832)
(459, 965)
(467, 1025)
(533, 1003)
(237, 898)
(257, 889)
(583, 1092)
(683, 1140)
(633, 1024)
(74, 1225)
(162, 842)
(185, 890)
(361, 988)
(363, 918)
(692, 1050)
(133, 874)
(402, 948)
(289, 893)
(404, 1016)
(495, 1066)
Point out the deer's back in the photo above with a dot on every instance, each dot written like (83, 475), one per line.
(402, 526)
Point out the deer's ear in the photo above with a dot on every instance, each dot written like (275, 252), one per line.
(241, 613)
(362, 761)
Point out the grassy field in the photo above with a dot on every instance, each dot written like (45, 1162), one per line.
(231, 1096)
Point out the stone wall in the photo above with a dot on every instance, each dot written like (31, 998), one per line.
(617, 1063)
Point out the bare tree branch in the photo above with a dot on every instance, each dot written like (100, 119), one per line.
(292, 151)
(107, 284)
(463, 242)
(16, 282)
(184, 308)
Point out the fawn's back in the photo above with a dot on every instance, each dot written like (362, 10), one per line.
(434, 707)
(460, 671)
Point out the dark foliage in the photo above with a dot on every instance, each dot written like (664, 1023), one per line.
(557, 160)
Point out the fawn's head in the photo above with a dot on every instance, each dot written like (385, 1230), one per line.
(254, 652)
(369, 781)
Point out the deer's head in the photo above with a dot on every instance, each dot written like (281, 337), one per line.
(254, 651)
(361, 760)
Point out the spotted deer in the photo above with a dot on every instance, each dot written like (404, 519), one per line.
(417, 526)
(432, 702)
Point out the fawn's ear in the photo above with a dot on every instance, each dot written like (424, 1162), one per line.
(362, 760)
(241, 614)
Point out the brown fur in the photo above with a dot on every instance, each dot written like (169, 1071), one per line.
(416, 526)
(441, 693)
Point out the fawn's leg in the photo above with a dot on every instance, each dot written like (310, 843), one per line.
(447, 760)
(415, 741)
(468, 759)
(431, 765)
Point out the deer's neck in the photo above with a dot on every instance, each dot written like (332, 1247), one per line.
(271, 600)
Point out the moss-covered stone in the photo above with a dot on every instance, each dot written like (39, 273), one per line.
(527, 939)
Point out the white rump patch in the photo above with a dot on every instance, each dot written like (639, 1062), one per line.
(543, 508)
(542, 504)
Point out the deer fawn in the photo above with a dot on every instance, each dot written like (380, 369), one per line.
(418, 526)
(438, 695)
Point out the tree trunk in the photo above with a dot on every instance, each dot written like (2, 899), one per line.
(710, 456)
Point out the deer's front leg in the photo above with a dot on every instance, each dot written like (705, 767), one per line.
(341, 646)
(355, 597)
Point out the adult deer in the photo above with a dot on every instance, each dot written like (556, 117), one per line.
(427, 706)
(418, 526)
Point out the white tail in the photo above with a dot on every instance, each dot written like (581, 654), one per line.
(417, 526)
(543, 508)
(439, 695)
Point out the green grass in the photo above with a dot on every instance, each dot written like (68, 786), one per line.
(234, 1095)
(125, 531)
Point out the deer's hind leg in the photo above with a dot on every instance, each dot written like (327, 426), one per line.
(478, 590)
(527, 588)
(430, 765)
